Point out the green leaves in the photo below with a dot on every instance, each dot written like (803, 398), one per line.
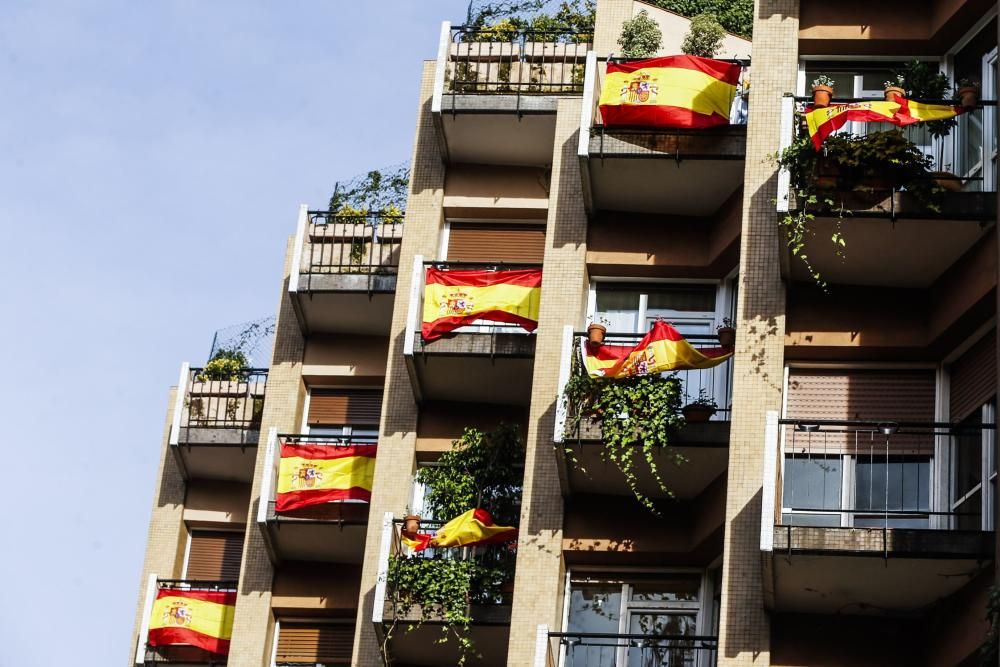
(704, 39)
(225, 365)
(736, 16)
(640, 37)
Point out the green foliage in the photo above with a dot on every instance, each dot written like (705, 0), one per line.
(705, 400)
(736, 16)
(822, 80)
(640, 36)
(636, 416)
(501, 21)
(704, 37)
(379, 191)
(924, 82)
(990, 647)
(225, 365)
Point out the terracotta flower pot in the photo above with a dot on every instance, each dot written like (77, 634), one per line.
(969, 96)
(893, 93)
(595, 334)
(697, 413)
(411, 523)
(821, 96)
(726, 336)
(947, 181)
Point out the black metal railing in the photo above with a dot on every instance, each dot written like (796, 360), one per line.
(236, 402)
(595, 649)
(358, 244)
(960, 160)
(196, 585)
(491, 61)
(880, 474)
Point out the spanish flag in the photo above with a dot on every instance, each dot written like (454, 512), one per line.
(317, 474)
(196, 618)
(676, 91)
(662, 349)
(455, 298)
(825, 121)
(473, 528)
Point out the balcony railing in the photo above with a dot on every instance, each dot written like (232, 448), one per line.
(233, 403)
(880, 474)
(178, 654)
(491, 61)
(594, 649)
(364, 244)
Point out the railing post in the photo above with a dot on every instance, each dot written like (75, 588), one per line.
(444, 44)
(416, 281)
(268, 480)
(787, 132)
(150, 598)
(300, 233)
(382, 579)
(768, 505)
(565, 367)
(587, 109)
(182, 390)
(542, 646)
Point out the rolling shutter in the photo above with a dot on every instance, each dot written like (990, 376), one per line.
(326, 643)
(516, 244)
(877, 395)
(214, 555)
(974, 377)
(344, 407)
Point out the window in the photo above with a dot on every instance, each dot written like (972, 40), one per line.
(352, 413)
(326, 643)
(897, 485)
(214, 555)
(972, 461)
(813, 483)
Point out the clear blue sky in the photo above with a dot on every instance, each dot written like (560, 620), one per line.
(152, 158)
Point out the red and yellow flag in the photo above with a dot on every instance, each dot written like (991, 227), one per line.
(473, 528)
(312, 474)
(197, 618)
(662, 349)
(822, 122)
(455, 298)
(676, 91)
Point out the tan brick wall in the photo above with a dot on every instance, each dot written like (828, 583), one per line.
(395, 463)
(564, 286)
(744, 633)
(608, 25)
(253, 623)
(167, 538)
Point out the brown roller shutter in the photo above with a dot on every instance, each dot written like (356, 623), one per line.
(516, 244)
(344, 406)
(974, 377)
(327, 643)
(214, 555)
(879, 395)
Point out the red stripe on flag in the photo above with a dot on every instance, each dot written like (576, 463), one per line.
(327, 452)
(175, 636)
(295, 499)
(718, 69)
(218, 597)
(659, 115)
(463, 278)
(442, 325)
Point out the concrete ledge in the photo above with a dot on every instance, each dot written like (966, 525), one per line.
(482, 614)
(510, 345)
(728, 143)
(336, 282)
(217, 437)
(708, 434)
(896, 542)
(979, 206)
(533, 103)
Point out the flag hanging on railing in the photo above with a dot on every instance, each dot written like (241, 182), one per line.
(473, 528)
(662, 349)
(313, 474)
(676, 91)
(198, 618)
(824, 121)
(455, 298)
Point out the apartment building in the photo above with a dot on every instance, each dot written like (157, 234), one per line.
(839, 507)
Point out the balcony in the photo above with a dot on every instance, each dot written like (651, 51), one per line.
(683, 172)
(867, 517)
(418, 644)
(177, 655)
(486, 362)
(332, 532)
(894, 237)
(705, 446)
(343, 274)
(216, 424)
(594, 649)
(496, 92)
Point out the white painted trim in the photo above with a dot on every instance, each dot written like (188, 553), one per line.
(542, 645)
(800, 79)
(866, 58)
(147, 611)
(274, 642)
(416, 282)
(862, 365)
(444, 41)
(187, 551)
(378, 604)
(565, 366)
(267, 480)
(300, 237)
(445, 239)
(770, 481)
(182, 390)
(304, 426)
(587, 108)
(784, 141)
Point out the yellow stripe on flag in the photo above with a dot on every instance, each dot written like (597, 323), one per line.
(462, 300)
(671, 86)
(208, 618)
(339, 473)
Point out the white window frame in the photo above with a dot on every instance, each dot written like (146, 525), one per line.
(987, 472)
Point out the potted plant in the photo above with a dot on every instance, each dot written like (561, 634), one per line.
(895, 88)
(726, 333)
(596, 332)
(701, 409)
(968, 92)
(411, 524)
(822, 90)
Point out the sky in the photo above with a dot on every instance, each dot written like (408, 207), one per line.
(153, 156)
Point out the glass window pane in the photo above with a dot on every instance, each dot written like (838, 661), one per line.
(619, 307)
(812, 483)
(661, 653)
(805, 519)
(684, 298)
(900, 484)
(843, 82)
(595, 607)
(667, 590)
